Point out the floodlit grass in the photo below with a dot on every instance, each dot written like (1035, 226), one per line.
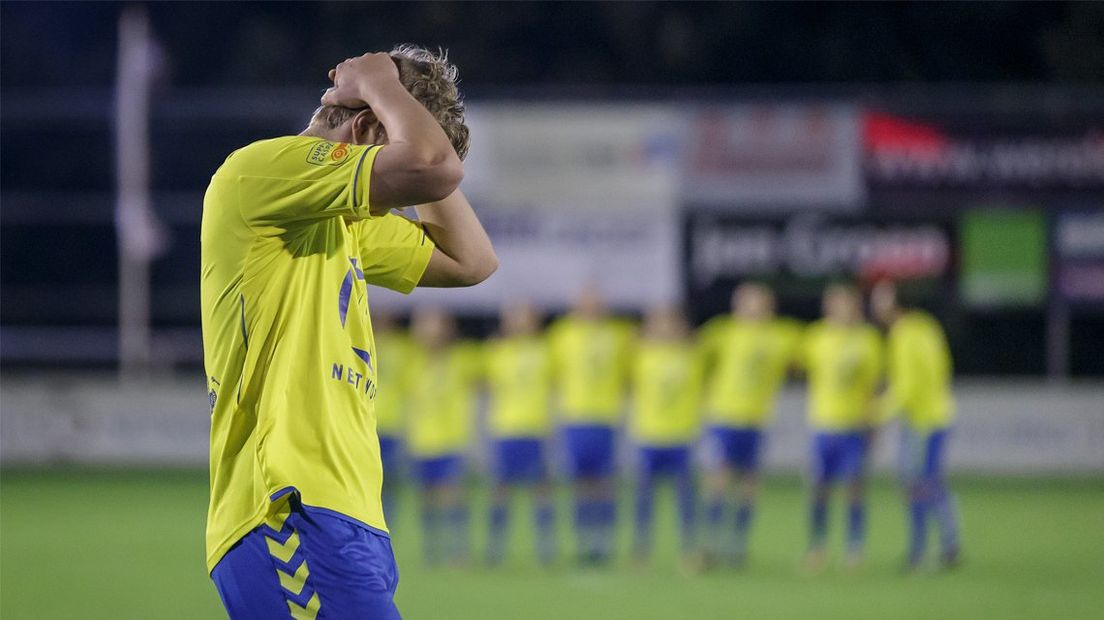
(129, 544)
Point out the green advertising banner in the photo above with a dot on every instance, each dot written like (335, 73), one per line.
(1004, 257)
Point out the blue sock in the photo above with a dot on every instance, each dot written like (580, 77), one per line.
(918, 529)
(688, 509)
(496, 540)
(645, 500)
(744, 513)
(856, 526)
(819, 522)
(546, 531)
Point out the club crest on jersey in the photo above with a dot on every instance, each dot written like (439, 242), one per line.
(325, 153)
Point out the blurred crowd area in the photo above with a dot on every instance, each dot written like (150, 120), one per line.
(597, 43)
(953, 147)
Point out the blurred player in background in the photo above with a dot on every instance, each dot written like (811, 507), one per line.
(664, 422)
(519, 377)
(590, 352)
(393, 349)
(293, 229)
(918, 389)
(843, 359)
(440, 382)
(748, 354)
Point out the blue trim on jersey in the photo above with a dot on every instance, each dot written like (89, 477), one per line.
(282, 492)
(356, 175)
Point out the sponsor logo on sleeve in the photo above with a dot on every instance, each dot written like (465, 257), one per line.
(325, 153)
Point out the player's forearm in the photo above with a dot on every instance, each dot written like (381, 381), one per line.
(412, 129)
(454, 228)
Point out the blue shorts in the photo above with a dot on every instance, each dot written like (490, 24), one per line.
(666, 460)
(439, 470)
(922, 456)
(309, 560)
(589, 451)
(734, 448)
(391, 455)
(519, 459)
(839, 455)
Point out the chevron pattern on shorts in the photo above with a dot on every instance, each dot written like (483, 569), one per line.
(291, 567)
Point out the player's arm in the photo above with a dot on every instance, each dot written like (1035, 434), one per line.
(418, 165)
(464, 255)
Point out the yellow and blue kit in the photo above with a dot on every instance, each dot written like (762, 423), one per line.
(747, 364)
(844, 368)
(666, 394)
(919, 373)
(590, 364)
(393, 348)
(441, 391)
(663, 422)
(288, 247)
(519, 379)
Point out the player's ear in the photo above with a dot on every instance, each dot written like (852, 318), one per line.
(367, 128)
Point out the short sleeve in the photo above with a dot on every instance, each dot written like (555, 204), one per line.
(394, 251)
(297, 178)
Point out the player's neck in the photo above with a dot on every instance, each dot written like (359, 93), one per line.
(338, 134)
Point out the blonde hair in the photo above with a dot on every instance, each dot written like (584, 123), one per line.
(432, 80)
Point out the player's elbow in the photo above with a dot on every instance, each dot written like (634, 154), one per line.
(437, 177)
(479, 268)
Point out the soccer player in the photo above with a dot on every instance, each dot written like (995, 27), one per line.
(519, 376)
(919, 390)
(590, 352)
(440, 379)
(843, 359)
(748, 354)
(664, 422)
(393, 347)
(293, 229)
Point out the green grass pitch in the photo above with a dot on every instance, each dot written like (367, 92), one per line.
(129, 544)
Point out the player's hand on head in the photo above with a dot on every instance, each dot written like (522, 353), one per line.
(355, 76)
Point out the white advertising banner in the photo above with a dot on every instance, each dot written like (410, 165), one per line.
(547, 255)
(572, 156)
(770, 157)
(1013, 427)
(571, 195)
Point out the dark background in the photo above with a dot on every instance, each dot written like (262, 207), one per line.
(57, 65)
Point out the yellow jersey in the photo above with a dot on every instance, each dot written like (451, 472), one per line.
(590, 365)
(441, 388)
(919, 373)
(747, 363)
(287, 342)
(519, 378)
(393, 348)
(844, 367)
(667, 385)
